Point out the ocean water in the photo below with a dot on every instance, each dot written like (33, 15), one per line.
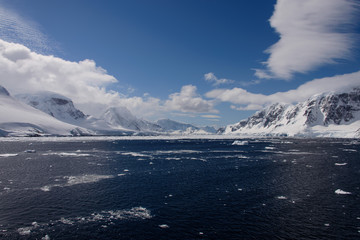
(180, 189)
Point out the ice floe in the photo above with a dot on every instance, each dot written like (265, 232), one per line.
(9, 154)
(240, 143)
(103, 218)
(163, 226)
(68, 154)
(74, 180)
(340, 164)
(341, 192)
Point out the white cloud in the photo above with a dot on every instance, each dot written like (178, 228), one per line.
(24, 71)
(251, 101)
(15, 28)
(187, 100)
(312, 33)
(210, 77)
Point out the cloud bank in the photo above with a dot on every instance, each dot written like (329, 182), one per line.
(251, 101)
(24, 71)
(312, 33)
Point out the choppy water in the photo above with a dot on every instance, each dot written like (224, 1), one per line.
(180, 189)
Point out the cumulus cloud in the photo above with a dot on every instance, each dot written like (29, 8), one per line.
(187, 100)
(15, 28)
(210, 77)
(251, 101)
(24, 71)
(312, 33)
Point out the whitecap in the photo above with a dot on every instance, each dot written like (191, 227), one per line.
(281, 197)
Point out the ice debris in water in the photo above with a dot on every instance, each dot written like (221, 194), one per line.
(46, 237)
(340, 164)
(164, 226)
(8, 155)
(341, 192)
(281, 197)
(240, 143)
(103, 217)
(74, 180)
(30, 151)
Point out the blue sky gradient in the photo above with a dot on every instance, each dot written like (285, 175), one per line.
(155, 48)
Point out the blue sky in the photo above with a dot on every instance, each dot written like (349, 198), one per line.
(205, 62)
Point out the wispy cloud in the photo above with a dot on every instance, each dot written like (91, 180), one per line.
(244, 100)
(17, 29)
(312, 33)
(210, 77)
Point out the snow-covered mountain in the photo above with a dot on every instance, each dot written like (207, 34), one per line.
(56, 105)
(324, 115)
(175, 127)
(63, 109)
(19, 119)
(122, 118)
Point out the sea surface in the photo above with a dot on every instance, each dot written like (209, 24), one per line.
(180, 189)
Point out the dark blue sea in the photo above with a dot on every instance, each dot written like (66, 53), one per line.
(179, 189)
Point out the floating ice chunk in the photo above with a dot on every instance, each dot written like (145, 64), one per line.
(134, 154)
(164, 226)
(30, 151)
(121, 174)
(281, 197)
(326, 224)
(74, 180)
(46, 237)
(341, 192)
(126, 170)
(269, 148)
(25, 231)
(91, 178)
(240, 143)
(8, 155)
(68, 154)
(340, 164)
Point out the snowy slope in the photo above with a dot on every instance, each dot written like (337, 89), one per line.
(63, 109)
(122, 118)
(175, 127)
(19, 119)
(324, 115)
(56, 105)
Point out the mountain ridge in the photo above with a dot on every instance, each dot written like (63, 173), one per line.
(331, 114)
